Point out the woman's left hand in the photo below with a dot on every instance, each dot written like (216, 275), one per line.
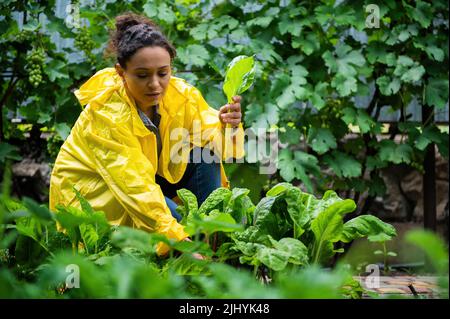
(231, 113)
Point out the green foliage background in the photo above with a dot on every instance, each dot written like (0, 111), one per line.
(309, 70)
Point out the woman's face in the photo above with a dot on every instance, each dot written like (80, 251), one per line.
(147, 75)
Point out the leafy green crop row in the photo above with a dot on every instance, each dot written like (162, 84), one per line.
(286, 227)
(287, 238)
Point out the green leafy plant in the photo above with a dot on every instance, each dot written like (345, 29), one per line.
(375, 231)
(288, 227)
(239, 76)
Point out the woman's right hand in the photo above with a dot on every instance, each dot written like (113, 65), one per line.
(195, 255)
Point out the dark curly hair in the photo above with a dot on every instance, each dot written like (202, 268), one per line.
(134, 32)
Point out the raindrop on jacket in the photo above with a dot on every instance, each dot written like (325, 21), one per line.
(111, 157)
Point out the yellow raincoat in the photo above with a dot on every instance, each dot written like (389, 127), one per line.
(111, 157)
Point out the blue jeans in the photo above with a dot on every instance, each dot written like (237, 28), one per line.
(200, 177)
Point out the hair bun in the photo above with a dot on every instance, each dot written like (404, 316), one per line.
(123, 23)
(127, 20)
(133, 32)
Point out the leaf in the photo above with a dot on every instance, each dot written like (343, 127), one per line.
(29, 227)
(56, 69)
(435, 53)
(380, 237)
(299, 215)
(297, 252)
(366, 226)
(344, 62)
(189, 202)
(430, 134)
(42, 213)
(260, 21)
(414, 74)
(186, 265)
(391, 254)
(166, 14)
(272, 258)
(266, 50)
(321, 140)
(248, 248)
(265, 223)
(161, 12)
(239, 76)
(295, 167)
(377, 53)
(63, 130)
(292, 135)
(200, 31)
(307, 43)
(70, 217)
(287, 166)
(408, 70)
(366, 123)
(126, 237)
(212, 223)
(8, 151)
(314, 206)
(291, 94)
(387, 85)
(422, 13)
(344, 85)
(85, 206)
(288, 26)
(436, 92)
(193, 54)
(33, 228)
(235, 206)
(431, 47)
(343, 164)
(404, 60)
(328, 227)
(261, 116)
(216, 197)
(396, 153)
(317, 97)
(226, 21)
(278, 189)
(276, 254)
(96, 230)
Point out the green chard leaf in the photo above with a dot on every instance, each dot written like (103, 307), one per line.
(213, 201)
(367, 226)
(189, 201)
(239, 76)
(328, 227)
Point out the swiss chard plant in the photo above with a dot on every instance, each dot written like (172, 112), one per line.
(287, 227)
(289, 232)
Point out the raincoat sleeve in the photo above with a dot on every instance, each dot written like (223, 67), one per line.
(207, 129)
(129, 174)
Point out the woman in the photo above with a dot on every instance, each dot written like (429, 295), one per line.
(140, 135)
